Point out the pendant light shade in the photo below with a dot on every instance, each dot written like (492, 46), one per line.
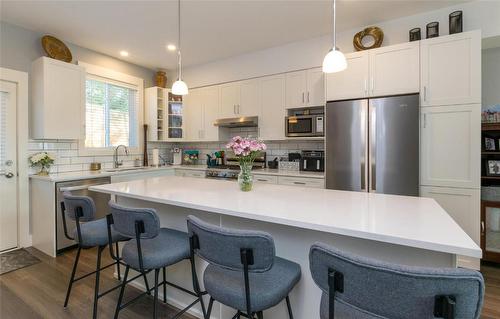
(334, 60)
(179, 87)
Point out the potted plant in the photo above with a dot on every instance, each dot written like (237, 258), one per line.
(246, 150)
(42, 159)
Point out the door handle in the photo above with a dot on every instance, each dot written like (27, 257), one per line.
(7, 175)
(373, 147)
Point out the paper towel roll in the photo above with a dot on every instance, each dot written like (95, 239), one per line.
(156, 157)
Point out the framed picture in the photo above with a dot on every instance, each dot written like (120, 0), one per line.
(490, 144)
(493, 168)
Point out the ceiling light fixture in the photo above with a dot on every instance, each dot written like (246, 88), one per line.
(334, 60)
(123, 53)
(179, 87)
(171, 47)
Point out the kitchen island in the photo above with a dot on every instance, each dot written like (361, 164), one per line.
(407, 230)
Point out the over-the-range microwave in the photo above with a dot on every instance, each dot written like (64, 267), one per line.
(305, 125)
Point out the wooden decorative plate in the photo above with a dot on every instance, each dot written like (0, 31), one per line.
(56, 49)
(374, 32)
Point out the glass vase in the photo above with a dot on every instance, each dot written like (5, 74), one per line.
(245, 177)
(44, 171)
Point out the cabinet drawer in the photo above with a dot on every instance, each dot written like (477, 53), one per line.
(190, 173)
(302, 181)
(265, 179)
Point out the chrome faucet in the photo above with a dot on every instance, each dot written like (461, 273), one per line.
(117, 163)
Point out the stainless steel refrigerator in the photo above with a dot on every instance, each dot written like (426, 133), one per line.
(372, 145)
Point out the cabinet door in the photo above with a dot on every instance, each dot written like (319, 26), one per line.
(193, 114)
(64, 100)
(315, 95)
(295, 89)
(451, 69)
(210, 113)
(395, 69)
(229, 99)
(351, 83)
(249, 98)
(450, 146)
(272, 121)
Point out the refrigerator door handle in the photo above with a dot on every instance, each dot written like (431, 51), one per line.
(364, 147)
(373, 147)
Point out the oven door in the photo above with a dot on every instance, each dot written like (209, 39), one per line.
(300, 126)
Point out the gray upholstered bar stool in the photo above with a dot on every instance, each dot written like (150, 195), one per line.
(360, 287)
(243, 272)
(89, 233)
(151, 248)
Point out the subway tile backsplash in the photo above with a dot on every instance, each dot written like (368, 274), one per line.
(67, 158)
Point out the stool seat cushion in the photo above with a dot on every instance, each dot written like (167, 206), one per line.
(95, 233)
(267, 289)
(168, 248)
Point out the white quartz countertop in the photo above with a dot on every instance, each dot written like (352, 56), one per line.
(408, 221)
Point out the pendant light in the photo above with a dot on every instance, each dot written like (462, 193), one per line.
(179, 87)
(334, 60)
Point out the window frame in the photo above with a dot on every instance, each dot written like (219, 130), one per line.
(114, 77)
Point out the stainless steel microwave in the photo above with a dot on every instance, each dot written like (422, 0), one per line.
(305, 125)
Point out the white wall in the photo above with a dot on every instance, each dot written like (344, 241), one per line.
(483, 15)
(491, 77)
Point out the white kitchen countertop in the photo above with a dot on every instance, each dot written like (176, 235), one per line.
(402, 220)
(78, 175)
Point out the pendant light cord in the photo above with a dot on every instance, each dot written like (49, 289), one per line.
(334, 36)
(179, 72)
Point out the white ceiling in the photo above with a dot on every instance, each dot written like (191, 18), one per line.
(211, 30)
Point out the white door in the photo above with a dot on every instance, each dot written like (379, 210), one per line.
(193, 115)
(8, 166)
(250, 98)
(451, 69)
(272, 121)
(210, 113)
(451, 146)
(395, 69)
(295, 89)
(315, 87)
(352, 83)
(229, 99)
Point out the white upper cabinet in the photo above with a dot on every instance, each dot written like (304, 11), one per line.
(351, 83)
(193, 114)
(395, 69)
(451, 69)
(250, 98)
(211, 102)
(450, 146)
(229, 99)
(305, 88)
(58, 98)
(272, 121)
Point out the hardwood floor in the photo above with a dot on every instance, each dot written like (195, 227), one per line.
(38, 291)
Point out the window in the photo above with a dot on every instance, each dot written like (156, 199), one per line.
(112, 113)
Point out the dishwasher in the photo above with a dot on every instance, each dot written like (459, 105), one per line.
(79, 188)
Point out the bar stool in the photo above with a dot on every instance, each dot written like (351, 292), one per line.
(243, 272)
(152, 248)
(89, 233)
(359, 287)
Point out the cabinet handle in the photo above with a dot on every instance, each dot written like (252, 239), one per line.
(482, 228)
(308, 97)
(425, 120)
(261, 180)
(366, 86)
(234, 108)
(303, 99)
(425, 94)
(239, 109)
(372, 85)
(299, 183)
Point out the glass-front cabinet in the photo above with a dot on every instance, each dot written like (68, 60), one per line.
(163, 115)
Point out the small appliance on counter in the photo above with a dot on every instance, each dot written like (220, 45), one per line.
(177, 156)
(273, 164)
(190, 157)
(305, 122)
(312, 161)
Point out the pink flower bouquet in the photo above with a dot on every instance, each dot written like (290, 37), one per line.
(246, 150)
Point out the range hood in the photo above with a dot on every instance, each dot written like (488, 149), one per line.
(246, 121)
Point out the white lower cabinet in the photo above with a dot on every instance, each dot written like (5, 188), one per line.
(302, 181)
(463, 205)
(190, 173)
(269, 179)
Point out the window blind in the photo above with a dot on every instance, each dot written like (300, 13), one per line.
(110, 113)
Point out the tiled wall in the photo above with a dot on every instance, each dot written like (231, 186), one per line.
(67, 158)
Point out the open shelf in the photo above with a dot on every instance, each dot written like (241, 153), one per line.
(490, 177)
(490, 126)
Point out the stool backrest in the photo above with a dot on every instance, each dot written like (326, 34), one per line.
(72, 203)
(125, 218)
(395, 291)
(222, 246)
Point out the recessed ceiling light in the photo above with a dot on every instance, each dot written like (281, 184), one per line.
(171, 47)
(123, 53)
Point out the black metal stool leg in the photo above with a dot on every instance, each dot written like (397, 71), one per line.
(260, 315)
(146, 282)
(289, 307)
(73, 272)
(165, 284)
(155, 302)
(118, 261)
(97, 277)
(209, 310)
(122, 290)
